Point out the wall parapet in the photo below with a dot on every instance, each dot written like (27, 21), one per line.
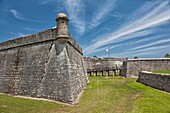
(104, 59)
(155, 80)
(148, 59)
(29, 39)
(40, 37)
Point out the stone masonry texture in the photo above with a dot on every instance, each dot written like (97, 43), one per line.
(39, 66)
(92, 63)
(158, 81)
(131, 68)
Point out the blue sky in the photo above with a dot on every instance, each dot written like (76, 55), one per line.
(127, 27)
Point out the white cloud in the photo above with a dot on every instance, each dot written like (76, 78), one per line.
(102, 13)
(103, 49)
(135, 34)
(76, 13)
(46, 1)
(151, 44)
(150, 50)
(17, 34)
(76, 10)
(97, 50)
(17, 15)
(30, 29)
(146, 51)
(126, 37)
(156, 50)
(149, 38)
(150, 15)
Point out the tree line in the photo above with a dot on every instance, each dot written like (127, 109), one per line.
(167, 55)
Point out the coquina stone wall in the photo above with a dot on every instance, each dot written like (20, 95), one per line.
(155, 80)
(39, 66)
(92, 63)
(131, 68)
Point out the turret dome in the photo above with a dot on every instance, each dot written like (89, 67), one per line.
(61, 15)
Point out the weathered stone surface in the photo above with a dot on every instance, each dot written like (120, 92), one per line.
(92, 63)
(44, 36)
(39, 66)
(158, 81)
(62, 23)
(131, 68)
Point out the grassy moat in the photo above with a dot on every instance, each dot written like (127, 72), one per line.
(102, 95)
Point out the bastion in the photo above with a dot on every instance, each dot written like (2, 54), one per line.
(48, 64)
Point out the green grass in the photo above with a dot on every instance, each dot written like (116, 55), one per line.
(102, 95)
(162, 71)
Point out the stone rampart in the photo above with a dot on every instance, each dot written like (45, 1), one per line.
(44, 36)
(131, 68)
(39, 66)
(155, 80)
(92, 63)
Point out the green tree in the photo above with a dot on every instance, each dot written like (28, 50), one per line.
(167, 55)
(135, 57)
(94, 56)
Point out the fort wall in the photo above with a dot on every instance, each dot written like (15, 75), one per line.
(131, 68)
(92, 63)
(39, 66)
(155, 80)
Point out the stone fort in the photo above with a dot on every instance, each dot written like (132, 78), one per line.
(48, 64)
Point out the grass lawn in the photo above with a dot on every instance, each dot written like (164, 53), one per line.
(162, 71)
(102, 95)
